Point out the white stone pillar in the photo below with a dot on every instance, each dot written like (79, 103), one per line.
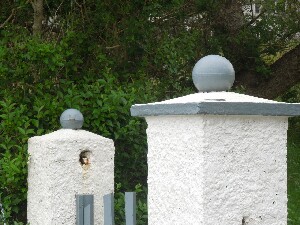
(217, 158)
(63, 164)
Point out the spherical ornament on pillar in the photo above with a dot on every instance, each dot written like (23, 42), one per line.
(213, 73)
(71, 119)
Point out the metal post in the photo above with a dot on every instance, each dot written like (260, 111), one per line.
(130, 208)
(84, 210)
(109, 215)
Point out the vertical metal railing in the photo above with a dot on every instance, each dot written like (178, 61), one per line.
(109, 215)
(85, 209)
(130, 209)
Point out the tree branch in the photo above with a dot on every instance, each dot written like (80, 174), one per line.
(9, 18)
(285, 73)
(13, 12)
(254, 19)
(112, 47)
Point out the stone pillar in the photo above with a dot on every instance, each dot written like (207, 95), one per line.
(216, 158)
(63, 164)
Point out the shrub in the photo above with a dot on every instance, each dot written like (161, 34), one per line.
(105, 104)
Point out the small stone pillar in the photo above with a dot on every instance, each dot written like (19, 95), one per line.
(216, 157)
(66, 163)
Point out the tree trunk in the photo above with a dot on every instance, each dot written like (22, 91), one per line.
(230, 17)
(285, 73)
(38, 8)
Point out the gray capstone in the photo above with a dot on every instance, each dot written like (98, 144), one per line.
(71, 119)
(213, 73)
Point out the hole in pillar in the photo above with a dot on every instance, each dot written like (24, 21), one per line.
(84, 158)
(245, 220)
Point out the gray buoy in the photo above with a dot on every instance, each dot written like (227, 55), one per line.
(71, 119)
(213, 73)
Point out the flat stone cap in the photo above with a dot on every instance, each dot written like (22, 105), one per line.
(217, 103)
(67, 135)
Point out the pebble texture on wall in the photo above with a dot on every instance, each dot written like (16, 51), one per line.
(217, 170)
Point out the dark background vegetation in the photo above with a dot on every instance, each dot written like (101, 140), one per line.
(103, 56)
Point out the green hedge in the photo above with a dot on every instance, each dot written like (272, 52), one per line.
(105, 104)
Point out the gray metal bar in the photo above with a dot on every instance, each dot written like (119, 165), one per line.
(130, 208)
(109, 215)
(84, 210)
(79, 210)
(88, 210)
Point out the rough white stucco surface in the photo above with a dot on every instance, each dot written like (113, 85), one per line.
(217, 170)
(55, 175)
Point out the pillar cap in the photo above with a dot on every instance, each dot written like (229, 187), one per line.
(217, 103)
(213, 73)
(68, 135)
(71, 119)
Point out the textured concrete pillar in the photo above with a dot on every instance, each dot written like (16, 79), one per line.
(63, 164)
(217, 158)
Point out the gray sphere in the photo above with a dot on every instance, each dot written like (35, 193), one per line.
(71, 119)
(213, 73)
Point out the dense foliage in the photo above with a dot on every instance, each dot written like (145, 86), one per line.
(103, 56)
(105, 104)
(293, 159)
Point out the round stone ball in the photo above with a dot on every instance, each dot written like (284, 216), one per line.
(213, 73)
(71, 119)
